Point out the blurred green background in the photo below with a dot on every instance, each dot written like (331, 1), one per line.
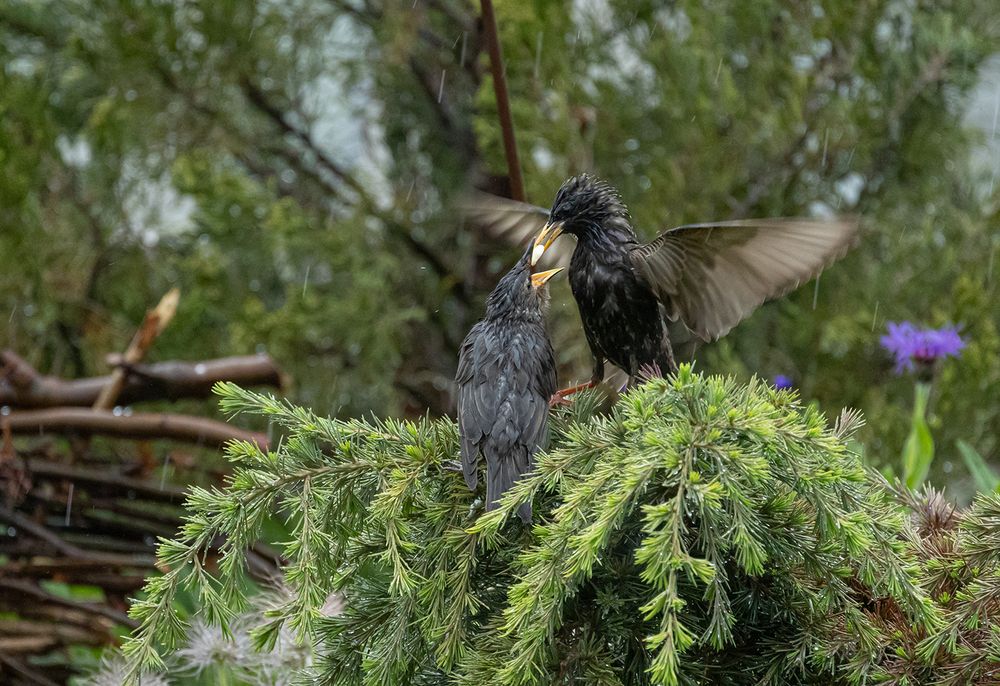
(290, 166)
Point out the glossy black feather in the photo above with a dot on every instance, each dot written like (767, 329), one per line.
(506, 375)
(709, 276)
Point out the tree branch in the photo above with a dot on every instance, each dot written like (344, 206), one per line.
(152, 326)
(141, 426)
(21, 386)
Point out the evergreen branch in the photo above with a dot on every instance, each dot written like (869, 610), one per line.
(701, 518)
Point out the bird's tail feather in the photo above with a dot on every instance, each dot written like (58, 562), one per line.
(499, 481)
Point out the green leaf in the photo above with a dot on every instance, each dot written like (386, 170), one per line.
(984, 476)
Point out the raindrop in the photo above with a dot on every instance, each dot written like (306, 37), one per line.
(130, 95)
(13, 311)
(996, 113)
(441, 87)
(11, 531)
(947, 467)
(816, 293)
(29, 310)
(130, 494)
(117, 411)
(826, 140)
(538, 56)
(305, 281)
(875, 316)
(717, 72)
(461, 56)
(199, 369)
(163, 473)
(4, 411)
(127, 412)
(69, 505)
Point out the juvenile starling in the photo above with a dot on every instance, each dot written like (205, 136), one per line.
(710, 276)
(506, 376)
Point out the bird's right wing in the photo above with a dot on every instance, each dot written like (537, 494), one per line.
(513, 222)
(713, 275)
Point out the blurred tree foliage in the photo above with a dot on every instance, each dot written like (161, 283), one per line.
(287, 164)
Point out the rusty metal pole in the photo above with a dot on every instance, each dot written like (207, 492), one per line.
(503, 101)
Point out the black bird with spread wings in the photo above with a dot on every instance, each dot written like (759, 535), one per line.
(709, 276)
(506, 376)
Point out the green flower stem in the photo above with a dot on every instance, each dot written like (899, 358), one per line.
(918, 451)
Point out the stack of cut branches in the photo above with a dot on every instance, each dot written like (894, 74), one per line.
(84, 493)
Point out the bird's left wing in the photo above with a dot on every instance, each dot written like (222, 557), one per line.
(475, 401)
(714, 275)
(513, 222)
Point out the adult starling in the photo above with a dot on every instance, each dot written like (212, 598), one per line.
(506, 376)
(709, 276)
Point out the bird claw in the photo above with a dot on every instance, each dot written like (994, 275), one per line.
(559, 397)
(452, 465)
(559, 400)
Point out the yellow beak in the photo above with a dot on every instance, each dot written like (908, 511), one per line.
(545, 237)
(538, 280)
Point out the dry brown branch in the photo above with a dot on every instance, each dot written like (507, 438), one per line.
(102, 481)
(21, 386)
(152, 326)
(146, 425)
(27, 674)
(26, 592)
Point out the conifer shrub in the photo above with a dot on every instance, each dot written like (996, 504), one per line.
(700, 531)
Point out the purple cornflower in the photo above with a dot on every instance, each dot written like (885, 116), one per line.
(921, 346)
(783, 383)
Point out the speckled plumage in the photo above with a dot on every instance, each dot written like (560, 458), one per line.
(621, 316)
(506, 375)
(710, 276)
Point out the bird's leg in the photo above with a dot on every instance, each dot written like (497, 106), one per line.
(598, 375)
(559, 397)
(451, 465)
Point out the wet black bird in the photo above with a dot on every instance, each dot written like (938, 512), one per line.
(709, 276)
(506, 376)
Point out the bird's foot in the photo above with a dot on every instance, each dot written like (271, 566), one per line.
(560, 397)
(452, 465)
(558, 401)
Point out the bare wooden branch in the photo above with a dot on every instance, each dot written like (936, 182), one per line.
(103, 481)
(176, 427)
(25, 591)
(152, 326)
(21, 386)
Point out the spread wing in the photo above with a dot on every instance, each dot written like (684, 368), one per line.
(714, 275)
(513, 222)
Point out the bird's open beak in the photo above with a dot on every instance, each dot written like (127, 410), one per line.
(538, 280)
(545, 237)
